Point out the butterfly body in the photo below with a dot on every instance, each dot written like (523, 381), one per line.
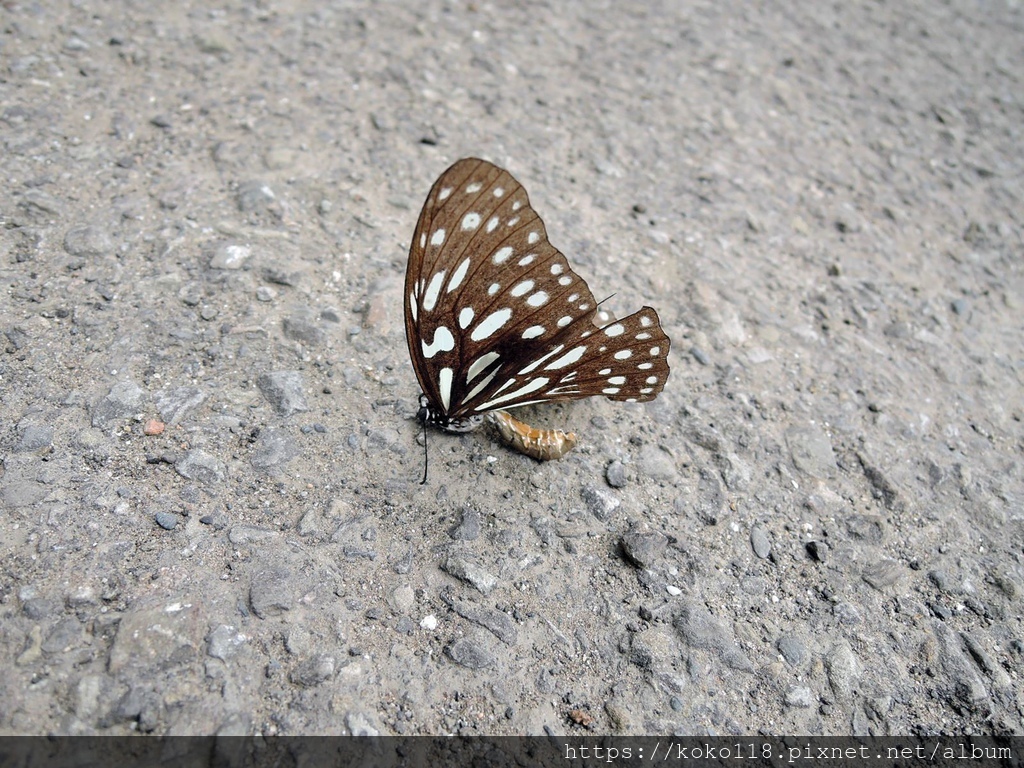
(539, 444)
(496, 318)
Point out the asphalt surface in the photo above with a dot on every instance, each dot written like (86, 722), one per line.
(211, 513)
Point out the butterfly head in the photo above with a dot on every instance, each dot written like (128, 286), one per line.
(429, 416)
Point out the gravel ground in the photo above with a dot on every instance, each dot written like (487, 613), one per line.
(815, 529)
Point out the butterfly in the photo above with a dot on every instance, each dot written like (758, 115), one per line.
(495, 317)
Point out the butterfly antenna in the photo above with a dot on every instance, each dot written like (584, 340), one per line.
(426, 456)
(602, 301)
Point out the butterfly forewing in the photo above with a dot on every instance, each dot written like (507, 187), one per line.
(495, 316)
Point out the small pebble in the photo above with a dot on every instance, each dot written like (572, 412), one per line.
(818, 550)
(284, 391)
(615, 474)
(469, 653)
(153, 427)
(760, 542)
(643, 549)
(166, 520)
(313, 671)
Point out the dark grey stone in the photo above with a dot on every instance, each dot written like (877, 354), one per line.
(271, 592)
(700, 630)
(284, 391)
(176, 403)
(469, 653)
(273, 448)
(166, 520)
(124, 399)
(468, 527)
(760, 541)
(88, 241)
(811, 451)
(615, 474)
(202, 467)
(496, 622)
(601, 503)
(314, 671)
(301, 326)
(793, 649)
(34, 438)
(470, 573)
(38, 608)
(643, 548)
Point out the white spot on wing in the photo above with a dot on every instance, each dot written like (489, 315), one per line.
(568, 358)
(652, 379)
(533, 237)
(645, 366)
(490, 324)
(527, 259)
(501, 255)
(444, 193)
(541, 359)
(466, 317)
(499, 191)
(505, 386)
(443, 342)
(604, 371)
(458, 276)
(444, 383)
(557, 269)
(438, 237)
(617, 380)
(610, 391)
(433, 289)
(471, 221)
(564, 280)
(537, 299)
(480, 387)
(479, 364)
(522, 288)
(423, 240)
(533, 332)
(492, 224)
(413, 306)
(493, 289)
(476, 186)
(645, 321)
(623, 354)
(614, 330)
(563, 390)
(564, 321)
(533, 386)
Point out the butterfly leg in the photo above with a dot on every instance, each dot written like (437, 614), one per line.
(540, 444)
